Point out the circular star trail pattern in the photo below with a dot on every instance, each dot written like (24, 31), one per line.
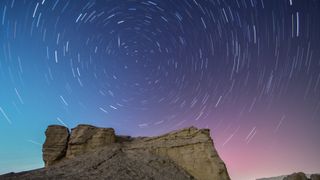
(247, 69)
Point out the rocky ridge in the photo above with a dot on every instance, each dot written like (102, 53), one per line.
(295, 176)
(89, 152)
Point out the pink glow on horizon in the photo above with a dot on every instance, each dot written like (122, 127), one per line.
(265, 156)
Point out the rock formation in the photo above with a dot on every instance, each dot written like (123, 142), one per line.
(55, 145)
(97, 153)
(315, 177)
(85, 138)
(109, 163)
(295, 176)
(190, 148)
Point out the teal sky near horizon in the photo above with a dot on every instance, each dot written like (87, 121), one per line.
(249, 70)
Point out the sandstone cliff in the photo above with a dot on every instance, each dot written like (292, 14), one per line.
(90, 152)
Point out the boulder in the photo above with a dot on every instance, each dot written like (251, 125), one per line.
(85, 138)
(296, 176)
(55, 145)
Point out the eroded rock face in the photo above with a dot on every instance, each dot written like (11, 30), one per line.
(189, 152)
(85, 138)
(296, 176)
(109, 163)
(190, 148)
(55, 145)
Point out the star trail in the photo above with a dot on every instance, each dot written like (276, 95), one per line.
(249, 70)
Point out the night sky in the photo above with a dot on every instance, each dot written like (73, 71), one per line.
(249, 70)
